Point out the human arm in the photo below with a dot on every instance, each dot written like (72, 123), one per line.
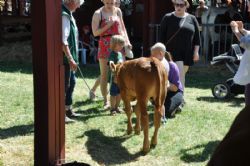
(196, 40)
(172, 87)
(235, 28)
(124, 28)
(96, 19)
(241, 28)
(65, 44)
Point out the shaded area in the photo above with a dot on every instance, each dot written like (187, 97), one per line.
(16, 67)
(204, 77)
(207, 150)
(108, 150)
(91, 113)
(15, 131)
(234, 102)
(89, 71)
(86, 102)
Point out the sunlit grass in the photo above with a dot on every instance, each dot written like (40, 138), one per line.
(98, 138)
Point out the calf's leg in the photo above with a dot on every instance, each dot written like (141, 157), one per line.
(157, 123)
(145, 125)
(129, 114)
(138, 119)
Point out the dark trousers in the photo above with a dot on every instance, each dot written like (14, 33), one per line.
(70, 82)
(172, 102)
(247, 94)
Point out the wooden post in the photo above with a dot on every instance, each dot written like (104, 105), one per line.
(48, 76)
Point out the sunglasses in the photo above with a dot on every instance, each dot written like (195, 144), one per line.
(181, 5)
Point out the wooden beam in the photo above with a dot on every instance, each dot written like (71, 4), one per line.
(48, 76)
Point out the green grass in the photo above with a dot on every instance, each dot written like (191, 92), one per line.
(98, 138)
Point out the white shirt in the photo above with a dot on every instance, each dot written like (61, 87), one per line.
(66, 30)
(165, 64)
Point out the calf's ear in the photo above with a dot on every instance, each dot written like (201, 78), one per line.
(112, 67)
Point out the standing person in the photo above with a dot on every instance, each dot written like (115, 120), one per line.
(179, 31)
(200, 10)
(116, 45)
(70, 50)
(106, 22)
(98, 80)
(242, 76)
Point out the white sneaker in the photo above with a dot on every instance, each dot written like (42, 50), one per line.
(68, 120)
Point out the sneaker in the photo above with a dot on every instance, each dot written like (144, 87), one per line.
(71, 114)
(118, 110)
(91, 95)
(106, 106)
(179, 109)
(113, 112)
(164, 120)
(68, 120)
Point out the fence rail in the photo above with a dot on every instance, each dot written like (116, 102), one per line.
(215, 39)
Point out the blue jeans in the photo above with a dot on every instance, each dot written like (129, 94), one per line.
(70, 82)
(172, 102)
(114, 89)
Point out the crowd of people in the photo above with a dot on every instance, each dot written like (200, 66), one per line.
(178, 49)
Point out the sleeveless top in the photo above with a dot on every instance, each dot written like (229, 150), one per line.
(105, 38)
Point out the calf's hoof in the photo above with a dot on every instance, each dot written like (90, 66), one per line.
(129, 132)
(137, 131)
(145, 150)
(152, 146)
(153, 142)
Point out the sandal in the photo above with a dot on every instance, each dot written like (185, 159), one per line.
(106, 106)
(91, 95)
(112, 112)
(118, 110)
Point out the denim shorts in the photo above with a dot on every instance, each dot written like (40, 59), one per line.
(114, 90)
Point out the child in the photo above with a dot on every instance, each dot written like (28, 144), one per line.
(116, 45)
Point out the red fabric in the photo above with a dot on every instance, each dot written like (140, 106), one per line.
(104, 42)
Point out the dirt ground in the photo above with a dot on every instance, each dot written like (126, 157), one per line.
(16, 51)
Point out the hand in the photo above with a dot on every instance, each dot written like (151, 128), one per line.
(72, 64)
(240, 25)
(130, 46)
(196, 57)
(110, 21)
(234, 26)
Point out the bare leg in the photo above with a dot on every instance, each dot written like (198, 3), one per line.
(104, 79)
(97, 83)
(183, 70)
(118, 100)
(113, 102)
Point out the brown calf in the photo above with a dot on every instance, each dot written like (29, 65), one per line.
(234, 149)
(142, 79)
